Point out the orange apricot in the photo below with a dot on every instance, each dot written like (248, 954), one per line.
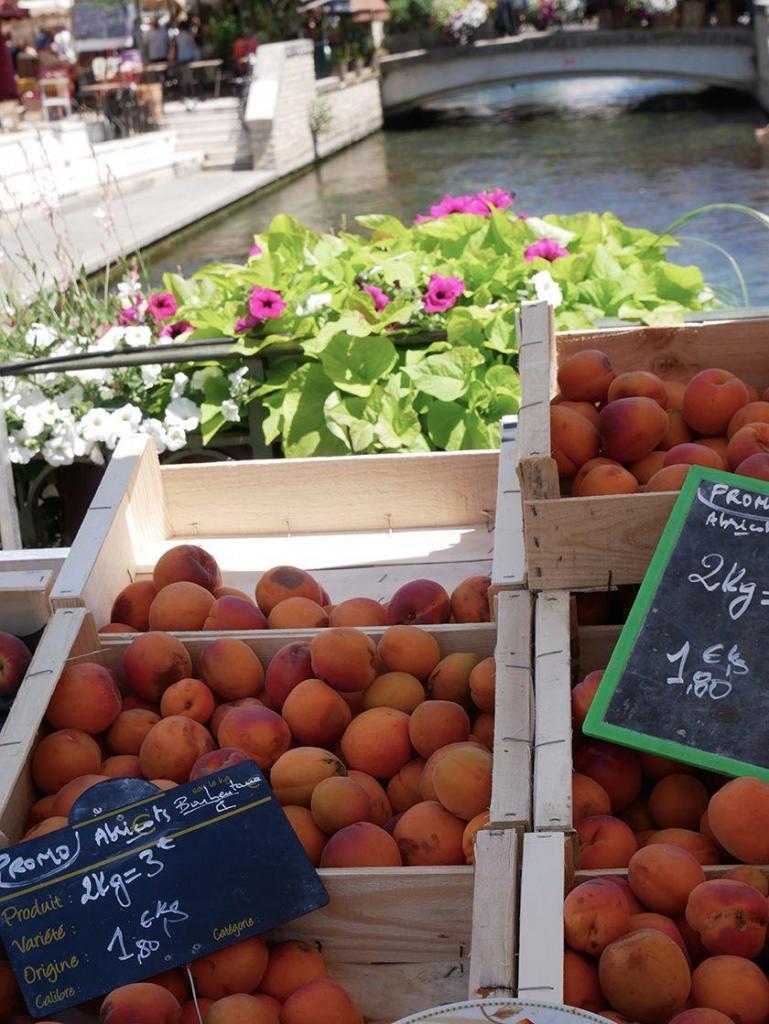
(181, 606)
(678, 431)
(297, 613)
(675, 391)
(312, 838)
(172, 747)
(320, 1002)
(357, 611)
(140, 1003)
(286, 581)
(678, 801)
(730, 917)
(361, 845)
(427, 834)
(287, 668)
(669, 478)
(462, 780)
(700, 1015)
(436, 723)
(574, 440)
(644, 469)
(660, 923)
(63, 756)
(398, 690)
(586, 376)
(752, 439)
(72, 791)
(586, 409)
(381, 809)
(190, 698)
(344, 658)
(733, 985)
(738, 815)
(604, 842)
(755, 466)
(450, 679)
(580, 982)
(750, 876)
(231, 668)
(132, 605)
(606, 480)
(239, 1008)
(753, 412)
(693, 454)
(231, 611)
(86, 697)
(588, 798)
(316, 714)
(378, 742)
(615, 768)
(152, 662)
(292, 964)
(403, 788)
(259, 732)
(662, 876)
(470, 599)
(187, 563)
(296, 773)
(638, 384)
(582, 697)
(630, 428)
(711, 399)
(130, 729)
(645, 975)
(339, 802)
(695, 843)
(409, 649)
(483, 683)
(483, 730)
(595, 913)
(232, 969)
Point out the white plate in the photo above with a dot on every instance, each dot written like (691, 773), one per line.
(502, 1011)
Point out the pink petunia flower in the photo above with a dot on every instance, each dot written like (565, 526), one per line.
(255, 250)
(442, 293)
(546, 249)
(161, 306)
(497, 198)
(459, 204)
(381, 299)
(246, 323)
(128, 315)
(175, 329)
(265, 304)
(422, 218)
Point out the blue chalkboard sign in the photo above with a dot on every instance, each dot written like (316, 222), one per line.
(144, 880)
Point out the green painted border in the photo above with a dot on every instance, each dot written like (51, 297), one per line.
(595, 724)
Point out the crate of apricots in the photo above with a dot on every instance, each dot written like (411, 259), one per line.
(377, 741)
(611, 421)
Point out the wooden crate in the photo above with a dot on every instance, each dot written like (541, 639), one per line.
(25, 605)
(508, 567)
(591, 543)
(399, 939)
(362, 525)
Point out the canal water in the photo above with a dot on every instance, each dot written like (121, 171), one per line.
(648, 151)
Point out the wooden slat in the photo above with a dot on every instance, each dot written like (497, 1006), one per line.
(596, 644)
(42, 559)
(513, 717)
(388, 992)
(536, 334)
(495, 914)
(509, 565)
(552, 737)
(25, 604)
(540, 956)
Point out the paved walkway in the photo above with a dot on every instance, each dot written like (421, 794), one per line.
(35, 245)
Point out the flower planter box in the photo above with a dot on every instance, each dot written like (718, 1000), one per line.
(399, 939)
(595, 542)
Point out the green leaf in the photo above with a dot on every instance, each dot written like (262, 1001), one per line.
(504, 380)
(215, 389)
(453, 427)
(446, 375)
(382, 225)
(305, 431)
(354, 365)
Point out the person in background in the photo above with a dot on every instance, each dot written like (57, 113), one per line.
(242, 49)
(43, 40)
(186, 52)
(158, 42)
(64, 47)
(8, 90)
(506, 18)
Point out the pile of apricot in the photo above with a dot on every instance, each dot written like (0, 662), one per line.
(628, 432)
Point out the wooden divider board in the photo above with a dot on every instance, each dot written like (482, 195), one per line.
(508, 568)
(495, 913)
(25, 605)
(540, 957)
(552, 736)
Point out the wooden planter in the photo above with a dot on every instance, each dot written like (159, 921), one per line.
(595, 542)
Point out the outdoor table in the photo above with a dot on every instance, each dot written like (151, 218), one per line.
(203, 65)
(155, 71)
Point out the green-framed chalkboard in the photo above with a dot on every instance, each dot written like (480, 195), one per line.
(689, 676)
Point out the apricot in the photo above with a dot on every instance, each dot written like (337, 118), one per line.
(63, 756)
(472, 828)
(131, 703)
(418, 602)
(140, 1003)
(291, 965)
(296, 773)
(586, 376)
(40, 810)
(670, 478)
(239, 1008)
(483, 684)
(645, 975)
(320, 1002)
(259, 732)
(130, 729)
(637, 816)
(377, 741)
(644, 469)
(586, 409)
(695, 949)
(117, 627)
(580, 982)
(164, 784)
(187, 563)
(289, 667)
(312, 838)
(398, 690)
(132, 605)
(615, 768)
(403, 788)
(604, 842)
(678, 801)
(693, 454)
(218, 760)
(750, 876)
(655, 767)
(231, 611)
(450, 679)
(738, 814)
(233, 592)
(606, 480)
(231, 669)
(52, 824)
(72, 791)
(588, 798)
(730, 917)
(678, 431)
(426, 781)
(701, 1016)
(285, 581)
(718, 444)
(752, 413)
(427, 834)
(190, 698)
(630, 428)
(316, 714)
(361, 845)
(297, 613)
(172, 747)
(357, 611)
(339, 802)
(224, 709)
(660, 923)
(573, 439)
(181, 606)
(695, 843)
(675, 391)
(381, 809)
(470, 599)
(755, 466)
(152, 662)
(711, 399)
(233, 969)
(122, 766)
(752, 439)
(462, 780)
(86, 697)
(595, 913)
(344, 658)
(483, 730)
(734, 986)
(638, 384)
(662, 876)
(409, 649)
(582, 696)
(435, 724)
(175, 981)
(269, 1003)
(189, 1014)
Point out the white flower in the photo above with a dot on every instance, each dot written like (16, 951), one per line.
(156, 430)
(126, 420)
(236, 378)
(59, 449)
(129, 288)
(316, 302)
(106, 394)
(91, 376)
(181, 412)
(137, 336)
(96, 455)
(542, 229)
(546, 288)
(37, 417)
(40, 336)
(230, 411)
(70, 397)
(96, 425)
(179, 386)
(150, 374)
(30, 394)
(110, 339)
(176, 437)
(19, 451)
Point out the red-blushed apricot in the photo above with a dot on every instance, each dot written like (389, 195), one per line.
(377, 742)
(233, 612)
(187, 563)
(132, 703)
(718, 444)
(427, 834)
(140, 1003)
(606, 480)
(86, 697)
(753, 395)
(738, 815)
(755, 466)
(339, 802)
(573, 440)
(733, 985)
(753, 412)
(604, 842)
(297, 613)
(678, 431)
(750, 876)
(292, 964)
(435, 724)
(675, 391)
(233, 592)
(426, 781)
(122, 766)
(129, 730)
(72, 791)
(644, 469)
(595, 913)
(752, 439)
(132, 605)
(700, 1015)
(40, 810)
(381, 809)
(588, 798)
(660, 923)
(483, 730)
(296, 773)
(181, 606)
(312, 838)
(189, 1014)
(240, 1008)
(164, 784)
(631, 428)
(63, 756)
(52, 824)
(730, 917)
(693, 454)
(152, 662)
(224, 709)
(409, 649)
(586, 409)
(259, 732)
(472, 828)
(418, 603)
(695, 949)
(678, 801)
(354, 701)
(117, 627)
(633, 906)
(172, 747)
(695, 843)
(586, 376)
(462, 781)
(580, 982)
(645, 975)
(655, 767)
(173, 980)
(218, 760)
(361, 845)
(236, 968)
(316, 714)
(269, 1003)
(286, 581)
(231, 669)
(190, 698)
(289, 667)
(483, 684)
(450, 679)
(669, 478)
(344, 658)
(399, 690)
(403, 788)
(662, 876)
(320, 1002)
(638, 384)
(615, 768)
(470, 599)
(582, 696)
(357, 611)
(711, 398)
(586, 468)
